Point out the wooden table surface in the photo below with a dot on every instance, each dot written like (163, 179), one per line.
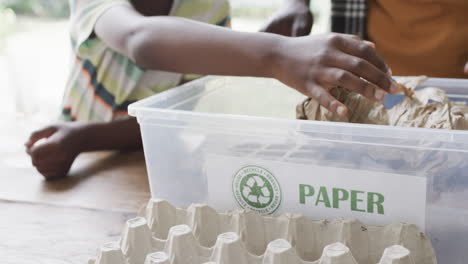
(64, 221)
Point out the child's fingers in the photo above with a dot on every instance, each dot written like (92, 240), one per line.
(36, 144)
(366, 70)
(39, 134)
(50, 173)
(351, 82)
(325, 99)
(371, 44)
(45, 151)
(49, 165)
(364, 50)
(466, 68)
(38, 154)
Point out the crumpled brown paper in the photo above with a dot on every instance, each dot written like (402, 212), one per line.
(427, 108)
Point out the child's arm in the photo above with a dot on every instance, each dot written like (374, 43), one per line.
(312, 64)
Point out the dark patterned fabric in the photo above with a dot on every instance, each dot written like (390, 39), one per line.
(349, 17)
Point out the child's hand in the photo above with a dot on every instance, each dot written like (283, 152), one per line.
(55, 153)
(466, 68)
(315, 64)
(295, 20)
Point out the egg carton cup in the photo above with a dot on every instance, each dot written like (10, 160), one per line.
(199, 234)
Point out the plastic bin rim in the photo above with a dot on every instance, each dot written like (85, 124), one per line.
(137, 108)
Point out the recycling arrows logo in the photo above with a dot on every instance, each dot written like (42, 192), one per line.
(256, 189)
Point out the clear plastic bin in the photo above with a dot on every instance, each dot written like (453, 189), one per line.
(254, 118)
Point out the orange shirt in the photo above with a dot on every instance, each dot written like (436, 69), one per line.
(417, 37)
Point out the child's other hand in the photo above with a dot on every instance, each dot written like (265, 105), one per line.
(294, 20)
(315, 64)
(54, 154)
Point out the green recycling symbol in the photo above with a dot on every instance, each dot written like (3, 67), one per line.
(256, 191)
(255, 188)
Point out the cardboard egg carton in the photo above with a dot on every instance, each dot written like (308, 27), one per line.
(165, 234)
